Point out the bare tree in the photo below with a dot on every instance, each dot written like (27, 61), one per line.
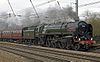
(94, 19)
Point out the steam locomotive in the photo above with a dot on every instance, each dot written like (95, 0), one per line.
(67, 35)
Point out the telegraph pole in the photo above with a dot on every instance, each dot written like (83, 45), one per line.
(77, 19)
(34, 8)
(11, 8)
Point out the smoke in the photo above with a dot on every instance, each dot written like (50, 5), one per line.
(70, 13)
(3, 24)
(60, 14)
(29, 17)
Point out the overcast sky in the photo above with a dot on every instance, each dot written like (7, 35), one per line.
(22, 4)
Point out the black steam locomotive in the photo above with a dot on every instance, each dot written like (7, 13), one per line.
(70, 35)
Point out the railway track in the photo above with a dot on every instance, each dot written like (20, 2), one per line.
(44, 54)
(95, 49)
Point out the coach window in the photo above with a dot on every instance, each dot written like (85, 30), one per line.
(36, 29)
(6, 32)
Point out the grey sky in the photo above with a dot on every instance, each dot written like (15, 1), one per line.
(22, 4)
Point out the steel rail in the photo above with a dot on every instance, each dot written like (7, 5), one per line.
(32, 55)
(57, 52)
